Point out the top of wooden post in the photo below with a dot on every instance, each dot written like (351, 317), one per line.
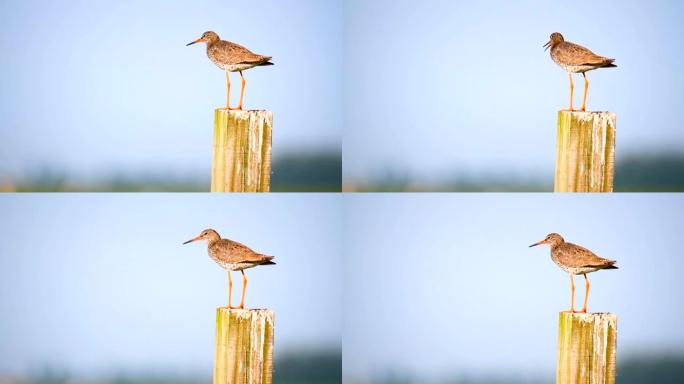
(587, 114)
(602, 316)
(244, 346)
(242, 111)
(587, 345)
(585, 152)
(241, 160)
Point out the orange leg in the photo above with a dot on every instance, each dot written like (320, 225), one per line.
(228, 93)
(244, 287)
(586, 294)
(230, 289)
(572, 293)
(584, 100)
(572, 89)
(242, 91)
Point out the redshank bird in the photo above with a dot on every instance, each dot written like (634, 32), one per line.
(575, 260)
(232, 256)
(231, 57)
(575, 59)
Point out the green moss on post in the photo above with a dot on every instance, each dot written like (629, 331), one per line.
(585, 152)
(586, 348)
(244, 346)
(242, 151)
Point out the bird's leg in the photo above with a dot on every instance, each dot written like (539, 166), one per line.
(230, 290)
(584, 100)
(228, 93)
(586, 294)
(572, 88)
(572, 294)
(244, 286)
(242, 91)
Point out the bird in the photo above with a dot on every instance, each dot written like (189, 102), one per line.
(575, 58)
(231, 57)
(575, 260)
(232, 256)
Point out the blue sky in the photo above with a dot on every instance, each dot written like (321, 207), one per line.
(98, 283)
(444, 284)
(442, 88)
(91, 87)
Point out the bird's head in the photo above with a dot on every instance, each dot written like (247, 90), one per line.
(552, 238)
(208, 37)
(208, 235)
(555, 39)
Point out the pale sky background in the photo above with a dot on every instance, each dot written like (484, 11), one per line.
(444, 284)
(102, 86)
(100, 283)
(440, 88)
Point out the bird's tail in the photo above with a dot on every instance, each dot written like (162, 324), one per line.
(609, 64)
(265, 63)
(610, 265)
(269, 260)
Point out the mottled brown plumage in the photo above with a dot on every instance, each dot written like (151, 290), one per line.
(575, 58)
(575, 260)
(232, 256)
(231, 57)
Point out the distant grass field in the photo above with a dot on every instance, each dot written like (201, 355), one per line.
(308, 367)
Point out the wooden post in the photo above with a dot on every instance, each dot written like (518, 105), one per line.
(586, 348)
(242, 151)
(244, 346)
(585, 152)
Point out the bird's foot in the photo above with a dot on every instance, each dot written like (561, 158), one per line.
(583, 310)
(569, 110)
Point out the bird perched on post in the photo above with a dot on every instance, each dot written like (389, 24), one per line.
(575, 260)
(575, 59)
(232, 256)
(231, 57)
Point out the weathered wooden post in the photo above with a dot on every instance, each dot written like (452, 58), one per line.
(585, 152)
(242, 151)
(244, 346)
(586, 348)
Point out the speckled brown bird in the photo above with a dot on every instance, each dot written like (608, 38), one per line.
(232, 256)
(575, 260)
(231, 57)
(575, 59)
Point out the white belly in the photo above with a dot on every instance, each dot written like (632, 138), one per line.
(233, 67)
(576, 68)
(234, 266)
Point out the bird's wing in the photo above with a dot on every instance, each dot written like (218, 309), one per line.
(240, 253)
(237, 54)
(577, 256)
(574, 54)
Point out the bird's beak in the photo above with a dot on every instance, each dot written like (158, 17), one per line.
(537, 243)
(193, 42)
(547, 45)
(191, 240)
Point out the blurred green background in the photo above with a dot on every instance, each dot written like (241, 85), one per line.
(296, 367)
(656, 171)
(292, 172)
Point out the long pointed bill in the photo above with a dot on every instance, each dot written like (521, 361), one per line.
(193, 42)
(547, 45)
(191, 240)
(537, 243)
